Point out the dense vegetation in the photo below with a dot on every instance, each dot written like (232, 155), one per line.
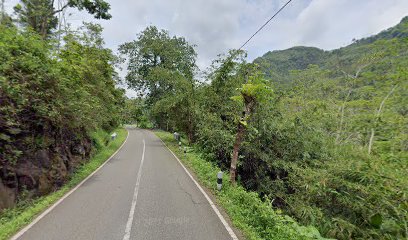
(54, 94)
(323, 135)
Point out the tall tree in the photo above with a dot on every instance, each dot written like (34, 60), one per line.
(252, 93)
(161, 68)
(40, 15)
(151, 54)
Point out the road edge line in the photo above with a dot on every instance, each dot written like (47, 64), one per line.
(49, 209)
(213, 206)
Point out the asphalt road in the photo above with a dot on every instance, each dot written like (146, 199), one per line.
(141, 193)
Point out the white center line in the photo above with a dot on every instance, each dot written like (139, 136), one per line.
(132, 209)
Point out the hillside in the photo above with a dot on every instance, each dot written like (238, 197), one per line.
(398, 31)
(276, 65)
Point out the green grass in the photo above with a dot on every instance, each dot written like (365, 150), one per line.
(14, 219)
(254, 217)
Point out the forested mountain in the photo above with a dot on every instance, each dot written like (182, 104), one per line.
(276, 65)
(398, 31)
(360, 76)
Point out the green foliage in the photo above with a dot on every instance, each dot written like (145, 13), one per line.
(74, 88)
(97, 101)
(100, 139)
(276, 65)
(155, 59)
(135, 112)
(98, 8)
(256, 88)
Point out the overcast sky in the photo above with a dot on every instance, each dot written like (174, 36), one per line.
(218, 25)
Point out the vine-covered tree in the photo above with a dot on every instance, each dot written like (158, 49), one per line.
(252, 93)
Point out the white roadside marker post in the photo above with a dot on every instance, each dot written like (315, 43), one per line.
(219, 180)
(176, 136)
(113, 136)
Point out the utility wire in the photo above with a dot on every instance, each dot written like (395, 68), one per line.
(265, 24)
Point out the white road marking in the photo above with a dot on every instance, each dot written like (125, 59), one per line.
(134, 200)
(37, 219)
(213, 206)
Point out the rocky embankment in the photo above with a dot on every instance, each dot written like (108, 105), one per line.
(38, 171)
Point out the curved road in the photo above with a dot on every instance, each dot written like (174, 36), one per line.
(141, 193)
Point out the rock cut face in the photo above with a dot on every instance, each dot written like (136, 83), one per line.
(41, 171)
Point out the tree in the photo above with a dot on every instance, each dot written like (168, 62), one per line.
(161, 68)
(377, 118)
(40, 15)
(155, 53)
(252, 93)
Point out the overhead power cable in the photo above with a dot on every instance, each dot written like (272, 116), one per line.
(266, 23)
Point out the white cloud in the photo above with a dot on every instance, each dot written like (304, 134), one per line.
(330, 24)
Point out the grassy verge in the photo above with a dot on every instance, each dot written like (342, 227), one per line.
(255, 218)
(16, 218)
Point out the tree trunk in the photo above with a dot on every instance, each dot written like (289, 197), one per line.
(370, 144)
(190, 137)
(235, 151)
(190, 131)
(343, 106)
(44, 28)
(190, 126)
(191, 114)
(249, 107)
